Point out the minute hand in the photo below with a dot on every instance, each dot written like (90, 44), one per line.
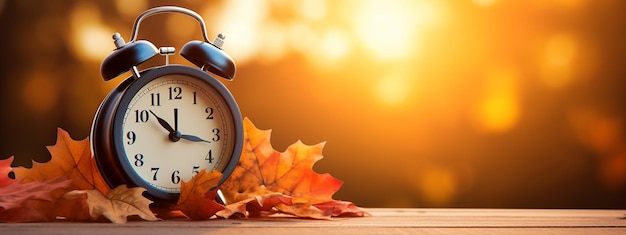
(194, 138)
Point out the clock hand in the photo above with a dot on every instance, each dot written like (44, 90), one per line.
(176, 119)
(174, 134)
(187, 137)
(194, 138)
(163, 123)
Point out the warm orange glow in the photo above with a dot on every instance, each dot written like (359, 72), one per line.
(485, 3)
(390, 29)
(498, 110)
(613, 170)
(181, 29)
(241, 22)
(40, 93)
(392, 89)
(131, 8)
(435, 103)
(560, 51)
(437, 184)
(91, 39)
(312, 9)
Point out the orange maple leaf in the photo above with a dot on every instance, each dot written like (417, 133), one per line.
(197, 197)
(70, 159)
(263, 171)
(5, 169)
(116, 205)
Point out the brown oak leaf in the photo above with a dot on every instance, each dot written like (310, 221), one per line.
(197, 197)
(5, 169)
(116, 205)
(70, 159)
(31, 202)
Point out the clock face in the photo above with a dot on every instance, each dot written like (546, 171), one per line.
(173, 127)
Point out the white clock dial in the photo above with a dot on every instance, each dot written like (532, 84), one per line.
(195, 131)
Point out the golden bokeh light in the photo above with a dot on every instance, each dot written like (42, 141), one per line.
(314, 10)
(90, 37)
(131, 9)
(485, 3)
(392, 89)
(387, 28)
(437, 185)
(241, 22)
(560, 51)
(498, 110)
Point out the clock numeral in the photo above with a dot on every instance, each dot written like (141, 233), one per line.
(194, 98)
(156, 99)
(195, 170)
(139, 160)
(176, 93)
(209, 111)
(209, 156)
(175, 177)
(155, 170)
(141, 116)
(131, 137)
(216, 131)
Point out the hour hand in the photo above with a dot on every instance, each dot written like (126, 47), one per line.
(164, 123)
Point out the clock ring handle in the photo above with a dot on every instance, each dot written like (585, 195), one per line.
(168, 9)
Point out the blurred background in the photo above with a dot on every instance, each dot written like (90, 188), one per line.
(423, 103)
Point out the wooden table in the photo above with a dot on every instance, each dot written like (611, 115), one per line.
(382, 221)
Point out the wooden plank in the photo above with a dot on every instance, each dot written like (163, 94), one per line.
(383, 221)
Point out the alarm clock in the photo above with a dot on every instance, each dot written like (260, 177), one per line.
(163, 125)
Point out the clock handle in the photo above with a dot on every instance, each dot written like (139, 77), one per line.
(167, 9)
(207, 55)
(204, 54)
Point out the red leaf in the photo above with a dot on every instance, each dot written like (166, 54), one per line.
(5, 169)
(35, 201)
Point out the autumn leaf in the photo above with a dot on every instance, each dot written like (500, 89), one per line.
(31, 202)
(116, 205)
(197, 197)
(262, 170)
(70, 159)
(5, 169)
(338, 208)
(257, 206)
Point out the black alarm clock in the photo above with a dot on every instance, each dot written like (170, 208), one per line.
(163, 125)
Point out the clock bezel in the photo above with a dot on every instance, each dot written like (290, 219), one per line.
(110, 155)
